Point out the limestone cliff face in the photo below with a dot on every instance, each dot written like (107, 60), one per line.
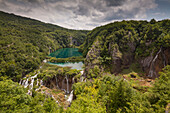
(61, 82)
(120, 60)
(92, 58)
(153, 64)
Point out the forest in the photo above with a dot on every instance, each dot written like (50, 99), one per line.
(126, 67)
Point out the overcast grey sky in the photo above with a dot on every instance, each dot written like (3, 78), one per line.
(87, 14)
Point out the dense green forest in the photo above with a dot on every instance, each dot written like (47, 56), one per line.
(117, 58)
(25, 42)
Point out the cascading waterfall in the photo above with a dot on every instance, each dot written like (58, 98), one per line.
(73, 80)
(151, 71)
(25, 83)
(70, 98)
(20, 81)
(67, 84)
(31, 85)
(41, 84)
(81, 77)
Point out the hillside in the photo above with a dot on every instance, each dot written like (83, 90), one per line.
(119, 47)
(25, 42)
(126, 67)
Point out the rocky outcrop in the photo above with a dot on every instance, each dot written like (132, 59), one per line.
(62, 82)
(121, 45)
(92, 58)
(120, 60)
(153, 64)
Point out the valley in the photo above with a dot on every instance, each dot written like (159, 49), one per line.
(115, 68)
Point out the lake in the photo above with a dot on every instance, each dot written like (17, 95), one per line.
(65, 53)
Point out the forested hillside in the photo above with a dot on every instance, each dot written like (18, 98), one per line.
(126, 67)
(25, 42)
(120, 46)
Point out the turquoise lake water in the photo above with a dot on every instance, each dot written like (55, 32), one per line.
(65, 53)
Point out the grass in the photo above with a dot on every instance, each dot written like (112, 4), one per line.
(133, 68)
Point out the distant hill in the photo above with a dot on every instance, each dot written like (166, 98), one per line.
(25, 42)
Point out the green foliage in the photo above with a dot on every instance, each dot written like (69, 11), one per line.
(160, 92)
(15, 99)
(114, 95)
(25, 42)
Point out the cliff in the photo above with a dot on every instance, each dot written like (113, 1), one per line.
(116, 46)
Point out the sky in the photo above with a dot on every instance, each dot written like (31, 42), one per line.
(87, 14)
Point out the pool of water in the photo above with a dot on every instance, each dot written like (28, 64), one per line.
(76, 65)
(65, 53)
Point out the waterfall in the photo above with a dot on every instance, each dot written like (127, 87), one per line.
(62, 88)
(23, 83)
(70, 98)
(31, 85)
(20, 81)
(81, 72)
(41, 84)
(67, 84)
(56, 82)
(151, 71)
(32, 81)
(73, 80)
(85, 80)
(81, 77)
(26, 83)
(45, 61)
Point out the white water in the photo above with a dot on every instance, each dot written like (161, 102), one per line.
(70, 98)
(67, 84)
(41, 84)
(151, 71)
(26, 84)
(81, 77)
(73, 80)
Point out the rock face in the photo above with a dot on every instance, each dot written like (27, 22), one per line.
(92, 58)
(62, 82)
(153, 64)
(119, 59)
(120, 46)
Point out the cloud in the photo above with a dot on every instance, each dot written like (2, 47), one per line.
(79, 14)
